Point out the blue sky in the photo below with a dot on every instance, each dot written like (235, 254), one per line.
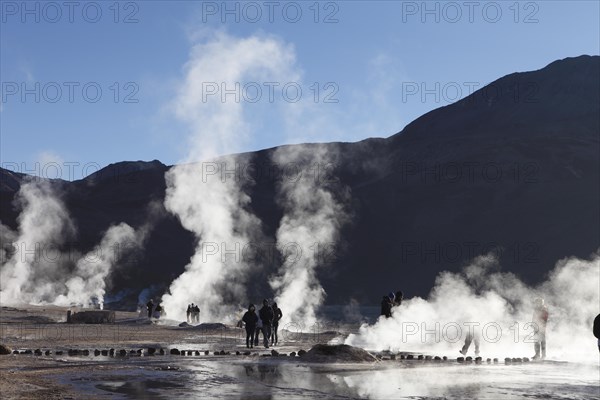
(365, 56)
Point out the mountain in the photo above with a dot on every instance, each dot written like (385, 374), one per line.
(513, 168)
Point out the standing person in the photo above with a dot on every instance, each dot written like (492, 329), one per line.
(266, 316)
(150, 308)
(197, 313)
(399, 298)
(539, 321)
(597, 329)
(386, 306)
(189, 313)
(277, 315)
(250, 319)
(259, 329)
(471, 337)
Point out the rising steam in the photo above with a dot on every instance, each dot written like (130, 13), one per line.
(499, 307)
(309, 228)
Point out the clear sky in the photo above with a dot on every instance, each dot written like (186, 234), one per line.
(377, 65)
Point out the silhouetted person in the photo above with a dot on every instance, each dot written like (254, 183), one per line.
(150, 307)
(250, 319)
(259, 329)
(189, 313)
(399, 297)
(277, 315)
(539, 320)
(196, 314)
(597, 329)
(266, 316)
(471, 337)
(386, 306)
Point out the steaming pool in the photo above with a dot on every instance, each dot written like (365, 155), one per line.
(173, 377)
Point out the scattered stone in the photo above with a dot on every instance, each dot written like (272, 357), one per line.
(301, 353)
(111, 352)
(437, 358)
(274, 353)
(237, 353)
(59, 353)
(445, 358)
(495, 360)
(393, 357)
(197, 353)
(337, 353)
(104, 352)
(410, 357)
(507, 360)
(469, 359)
(402, 357)
(85, 352)
(222, 352)
(47, 352)
(151, 351)
(206, 352)
(37, 352)
(123, 353)
(420, 357)
(184, 325)
(4, 350)
(525, 359)
(428, 358)
(190, 353)
(460, 359)
(247, 353)
(265, 355)
(96, 352)
(519, 360)
(15, 352)
(174, 352)
(161, 352)
(216, 353)
(91, 317)
(139, 352)
(478, 360)
(489, 360)
(132, 352)
(293, 354)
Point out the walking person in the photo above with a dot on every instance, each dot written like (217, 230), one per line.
(277, 315)
(150, 308)
(250, 320)
(266, 316)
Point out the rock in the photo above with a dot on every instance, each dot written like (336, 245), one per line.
(85, 352)
(96, 352)
(237, 353)
(216, 353)
(469, 359)
(420, 357)
(478, 360)
(495, 360)
(104, 352)
(15, 352)
(184, 325)
(123, 353)
(92, 317)
(174, 352)
(206, 352)
(428, 358)
(111, 352)
(151, 351)
(410, 357)
(437, 358)
(507, 360)
(47, 352)
(460, 359)
(59, 353)
(274, 353)
(393, 357)
(37, 352)
(247, 353)
(402, 357)
(161, 352)
(222, 353)
(132, 352)
(190, 353)
(197, 353)
(139, 352)
(525, 359)
(293, 354)
(4, 350)
(489, 360)
(337, 353)
(445, 358)
(301, 353)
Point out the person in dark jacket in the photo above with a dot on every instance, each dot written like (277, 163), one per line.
(386, 307)
(399, 297)
(277, 315)
(597, 329)
(189, 313)
(150, 308)
(266, 316)
(250, 319)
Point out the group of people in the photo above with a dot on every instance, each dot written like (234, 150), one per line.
(193, 313)
(389, 301)
(154, 311)
(265, 321)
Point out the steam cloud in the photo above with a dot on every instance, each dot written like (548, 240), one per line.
(209, 200)
(501, 305)
(307, 232)
(34, 271)
(44, 225)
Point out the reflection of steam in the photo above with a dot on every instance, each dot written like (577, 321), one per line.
(312, 218)
(32, 274)
(501, 305)
(207, 197)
